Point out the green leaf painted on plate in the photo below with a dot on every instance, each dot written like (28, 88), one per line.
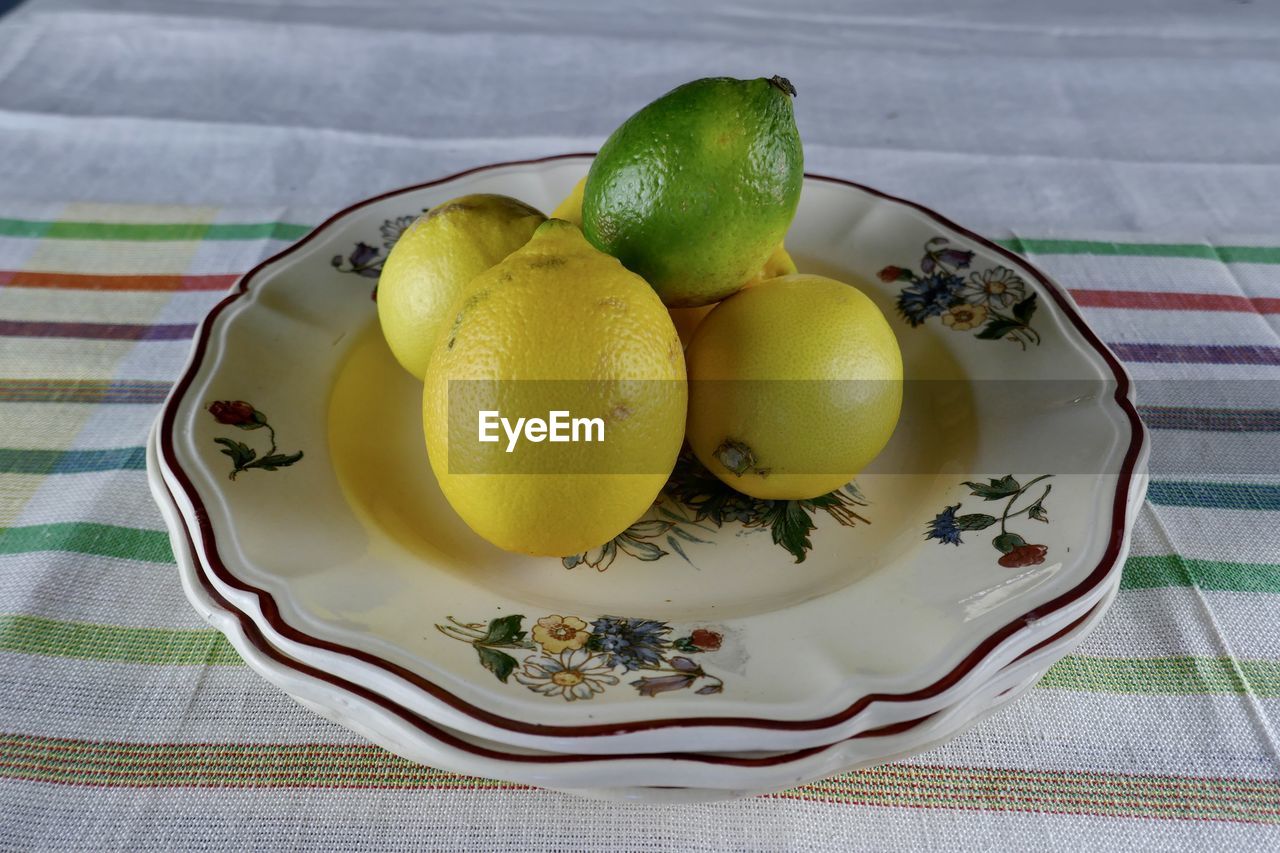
(997, 328)
(646, 551)
(830, 499)
(649, 528)
(678, 548)
(976, 521)
(685, 644)
(1024, 309)
(503, 631)
(995, 489)
(499, 663)
(241, 454)
(686, 536)
(277, 460)
(790, 527)
(1006, 542)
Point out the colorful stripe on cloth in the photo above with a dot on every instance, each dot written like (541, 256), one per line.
(92, 391)
(90, 607)
(64, 761)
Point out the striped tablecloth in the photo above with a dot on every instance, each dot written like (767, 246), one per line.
(124, 721)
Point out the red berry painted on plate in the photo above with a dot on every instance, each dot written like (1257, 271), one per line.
(233, 412)
(1025, 555)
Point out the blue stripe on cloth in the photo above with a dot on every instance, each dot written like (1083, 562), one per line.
(19, 461)
(1211, 420)
(1199, 353)
(1214, 495)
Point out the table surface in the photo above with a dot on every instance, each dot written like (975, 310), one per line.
(1130, 149)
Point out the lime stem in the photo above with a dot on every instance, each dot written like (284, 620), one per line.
(783, 84)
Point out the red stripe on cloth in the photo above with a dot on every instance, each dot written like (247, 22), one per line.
(1167, 301)
(1087, 297)
(97, 331)
(78, 281)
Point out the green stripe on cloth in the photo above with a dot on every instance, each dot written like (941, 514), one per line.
(23, 461)
(1170, 570)
(317, 765)
(1175, 570)
(1086, 793)
(151, 231)
(82, 537)
(157, 646)
(231, 765)
(159, 231)
(1172, 676)
(1225, 254)
(257, 231)
(1175, 676)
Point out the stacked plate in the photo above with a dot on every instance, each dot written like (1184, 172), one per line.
(721, 645)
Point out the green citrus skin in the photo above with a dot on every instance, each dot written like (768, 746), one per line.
(696, 190)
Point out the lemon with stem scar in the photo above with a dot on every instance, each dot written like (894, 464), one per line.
(795, 385)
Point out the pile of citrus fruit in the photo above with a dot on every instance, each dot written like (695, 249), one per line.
(658, 300)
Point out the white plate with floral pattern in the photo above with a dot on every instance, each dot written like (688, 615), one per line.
(1000, 508)
(653, 778)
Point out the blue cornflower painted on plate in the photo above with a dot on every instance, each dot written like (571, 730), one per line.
(994, 303)
(929, 296)
(944, 527)
(629, 643)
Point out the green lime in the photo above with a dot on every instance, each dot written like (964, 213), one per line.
(696, 190)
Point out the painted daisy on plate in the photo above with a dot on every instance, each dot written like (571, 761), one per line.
(572, 674)
(998, 287)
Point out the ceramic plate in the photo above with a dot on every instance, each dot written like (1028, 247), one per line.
(733, 775)
(1004, 500)
(905, 710)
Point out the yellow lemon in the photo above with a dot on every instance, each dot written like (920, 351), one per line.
(435, 258)
(556, 327)
(570, 210)
(687, 319)
(795, 385)
(779, 263)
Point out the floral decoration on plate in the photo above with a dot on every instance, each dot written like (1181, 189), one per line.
(242, 415)
(694, 500)
(365, 260)
(1015, 551)
(995, 300)
(568, 657)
